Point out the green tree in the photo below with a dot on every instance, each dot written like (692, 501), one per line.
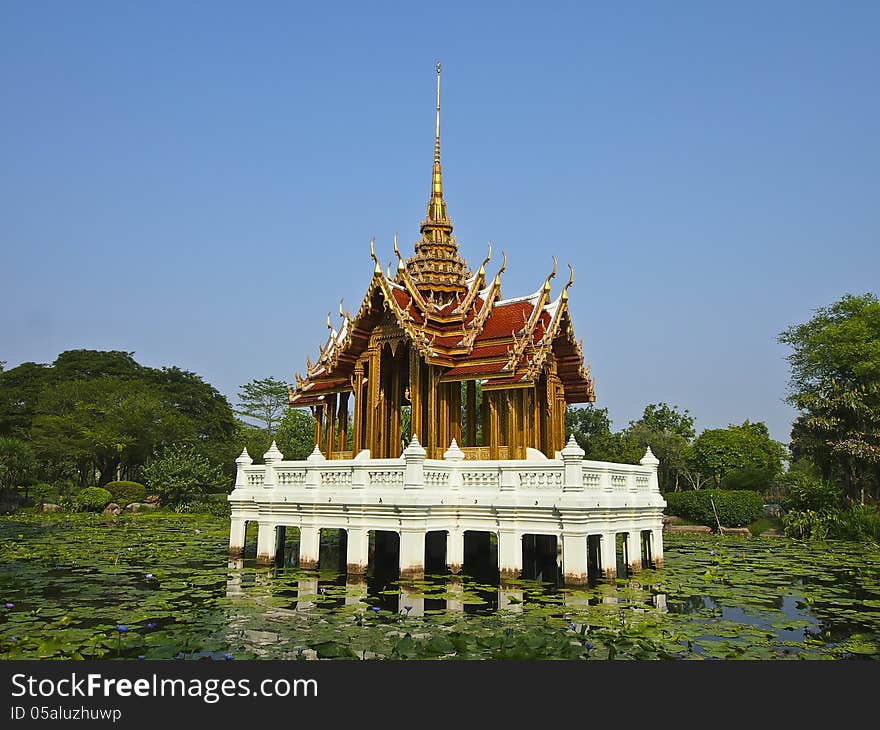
(591, 428)
(835, 384)
(668, 433)
(179, 473)
(93, 410)
(16, 463)
(263, 400)
(719, 452)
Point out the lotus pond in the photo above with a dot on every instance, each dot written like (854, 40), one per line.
(159, 586)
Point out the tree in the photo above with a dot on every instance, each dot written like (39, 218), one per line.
(668, 433)
(178, 473)
(263, 400)
(16, 463)
(591, 428)
(93, 410)
(835, 384)
(718, 452)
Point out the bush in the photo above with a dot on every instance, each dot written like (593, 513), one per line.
(42, 492)
(179, 474)
(124, 493)
(735, 508)
(751, 478)
(808, 492)
(93, 499)
(858, 523)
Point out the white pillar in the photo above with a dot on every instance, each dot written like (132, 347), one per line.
(509, 554)
(272, 458)
(309, 546)
(574, 560)
(657, 546)
(573, 458)
(244, 460)
(412, 553)
(634, 550)
(608, 554)
(237, 531)
(414, 476)
(455, 550)
(357, 557)
(266, 543)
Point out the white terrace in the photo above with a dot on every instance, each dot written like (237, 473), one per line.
(583, 504)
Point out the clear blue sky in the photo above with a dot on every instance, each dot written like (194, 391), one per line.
(198, 182)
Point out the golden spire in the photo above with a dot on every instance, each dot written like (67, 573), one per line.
(437, 208)
(437, 266)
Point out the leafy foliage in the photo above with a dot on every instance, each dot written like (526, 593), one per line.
(103, 411)
(734, 508)
(717, 453)
(93, 499)
(178, 473)
(16, 462)
(264, 400)
(835, 384)
(165, 576)
(124, 493)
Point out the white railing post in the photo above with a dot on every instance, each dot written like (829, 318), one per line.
(313, 473)
(241, 462)
(455, 456)
(652, 461)
(507, 481)
(573, 458)
(272, 458)
(414, 455)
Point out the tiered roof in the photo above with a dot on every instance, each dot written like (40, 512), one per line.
(455, 319)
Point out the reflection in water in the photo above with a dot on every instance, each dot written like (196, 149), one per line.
(723, 606)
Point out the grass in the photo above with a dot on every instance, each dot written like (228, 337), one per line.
(762, 524)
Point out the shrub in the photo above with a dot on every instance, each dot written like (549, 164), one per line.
(124, 493)
(42, 493)
(808, 492)
(735, 508)
(180, 474)
(858, 523)
(751, 478)
(93, 499)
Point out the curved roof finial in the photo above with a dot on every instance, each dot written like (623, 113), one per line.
(378, 268)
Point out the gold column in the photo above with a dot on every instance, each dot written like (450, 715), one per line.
(317, 412)
(358, 389)
(455, 411)
(372, 402)
(432, 415)
(443, 419)
(393, 407)
(471, 413)
(342, 422)
(415, 394)
(494, 425)
(330, 402)
(486, 436)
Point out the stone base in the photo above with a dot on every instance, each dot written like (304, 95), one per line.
(509, 574)
(265, 559)
(636, 567)
(416, 572)
(575, 579)
(236, 553)
(355, 569)
(609, 574)
(454, 568)
(308, 564)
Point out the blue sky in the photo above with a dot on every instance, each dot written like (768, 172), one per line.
(198, 182)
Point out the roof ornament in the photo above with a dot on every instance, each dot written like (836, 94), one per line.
(378, 268)
(329, 326)
(568, 283)
(552, 274)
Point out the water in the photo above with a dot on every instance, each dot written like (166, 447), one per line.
(73, 580)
